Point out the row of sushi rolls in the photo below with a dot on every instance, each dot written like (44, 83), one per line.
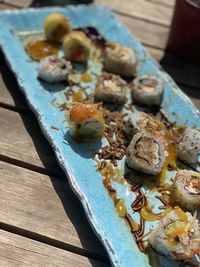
(177, 233)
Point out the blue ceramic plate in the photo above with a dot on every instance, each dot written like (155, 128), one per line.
(75, 159)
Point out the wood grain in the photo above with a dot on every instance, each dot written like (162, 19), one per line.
(22, 139)
(17, 251)
(18, 3)
(4, 6)
(151, 35)
(141, 9)
(47, 208)
(167, 3)
(10, 96)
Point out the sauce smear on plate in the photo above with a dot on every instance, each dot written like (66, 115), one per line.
(38, 50)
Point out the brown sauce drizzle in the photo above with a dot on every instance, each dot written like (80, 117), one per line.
(164, 198)
(94, 36)
(140, 200)
(137, 230)
(135, 179)
(116, 149)
(110, 174)
(78, 96)
(38, 50)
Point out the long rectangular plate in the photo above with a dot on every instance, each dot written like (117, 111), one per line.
(75, 159)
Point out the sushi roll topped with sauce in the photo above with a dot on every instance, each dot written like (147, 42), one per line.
(188, 143)
(120, 59)
(86, 120)
(76, 46)
(147, 90)
(152, 146)
(177, 235)
(53, 69)
(186, 189)
(146, 153)
(110, 89)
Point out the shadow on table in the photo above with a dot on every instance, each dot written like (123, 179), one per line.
(41, 3)
(70, 202)
(186, 75)
(42, 146)
(77, 216)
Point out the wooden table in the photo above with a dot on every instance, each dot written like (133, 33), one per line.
(41, 221)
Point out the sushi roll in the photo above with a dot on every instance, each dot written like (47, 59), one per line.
(56, 26)
(110, 89)
(76, 46)
(135, 122)
(147, 90)
(186, 189)
(86, 120)
(177, 235)
(188, 144)
(53, 69)
(120, 59)
(138, 120)
(146, 153)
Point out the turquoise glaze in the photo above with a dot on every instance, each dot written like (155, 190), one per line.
(75, 159)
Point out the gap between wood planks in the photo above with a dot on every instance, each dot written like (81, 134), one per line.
(41, 208)
(52, 242)
(139, 17)
(166, 3)
(23, 144)
(16, 109)
(30, 166)
(21, 251)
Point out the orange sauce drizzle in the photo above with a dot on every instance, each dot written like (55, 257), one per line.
(86, 78)
(78, 96)
(38, 50)
(156, 128)
(148, 215)
(80, 112)
(121, 208)
(170, 147)
(134, 226)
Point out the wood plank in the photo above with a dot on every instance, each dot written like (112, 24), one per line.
(46, 207)
(4, 6)
(17, 251)
(22, 133)
(141, 9)
(151, 35)
(10, 95)
(18, 3)
(166, 3)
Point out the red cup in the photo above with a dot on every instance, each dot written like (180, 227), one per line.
(184, 37)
